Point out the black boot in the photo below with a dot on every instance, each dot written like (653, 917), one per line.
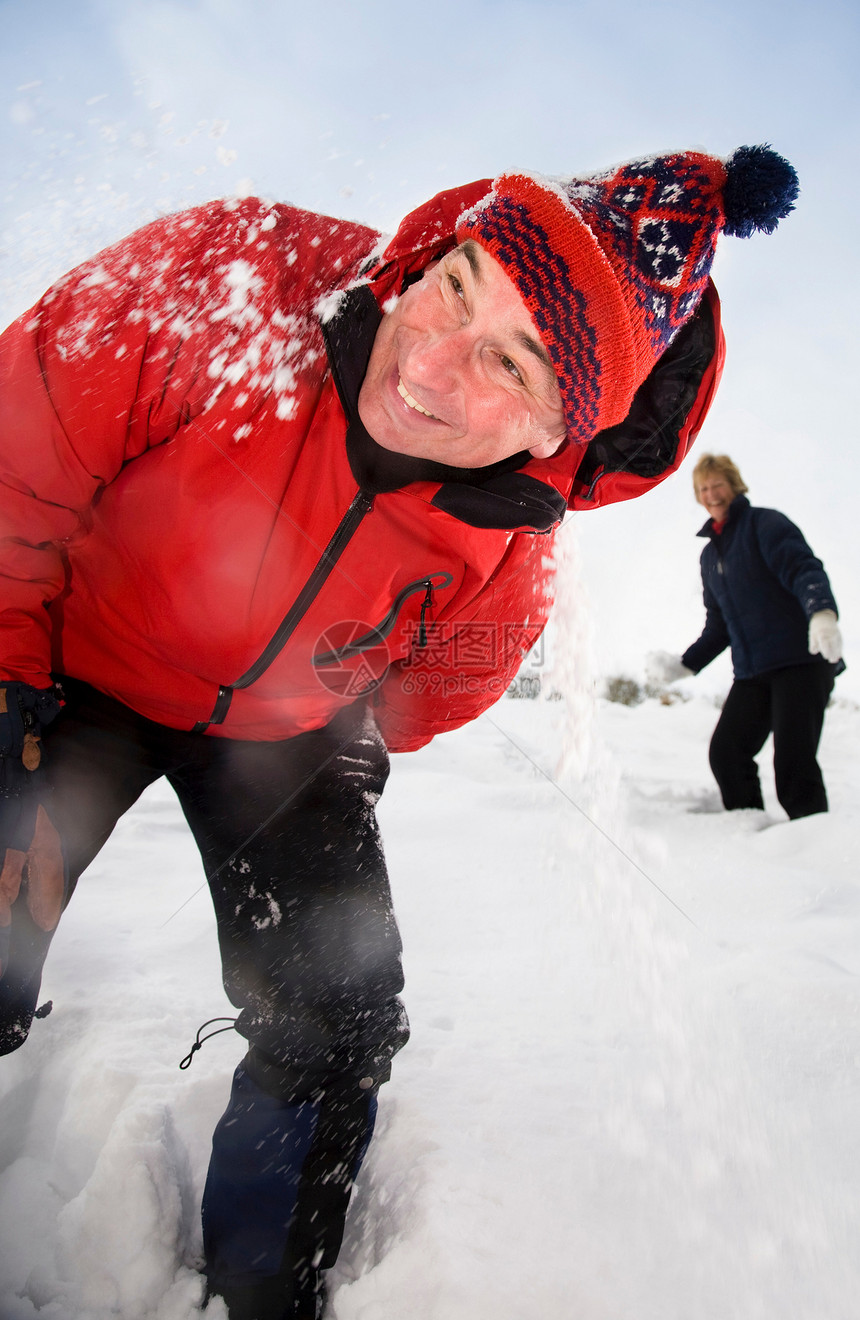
(302, 1297)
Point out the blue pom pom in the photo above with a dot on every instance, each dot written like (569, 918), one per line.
(761, 188)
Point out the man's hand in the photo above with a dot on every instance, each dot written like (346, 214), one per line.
(24, 712)
(824, 636)
(31, 856)
(40, 872)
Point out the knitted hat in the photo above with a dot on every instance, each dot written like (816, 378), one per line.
(611, 266)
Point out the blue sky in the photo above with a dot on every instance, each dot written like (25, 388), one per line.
(110, 113)
(366, 108)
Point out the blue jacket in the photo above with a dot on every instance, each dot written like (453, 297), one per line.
(762, 584)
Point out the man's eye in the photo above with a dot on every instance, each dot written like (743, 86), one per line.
(456, 286)
(511, 367)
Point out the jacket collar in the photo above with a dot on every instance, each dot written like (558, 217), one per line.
(736, 508)
(498, 496)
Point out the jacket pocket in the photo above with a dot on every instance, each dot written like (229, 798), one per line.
(375, 636)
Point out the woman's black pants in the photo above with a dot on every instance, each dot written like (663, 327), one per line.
(789, 703)
(310, 951)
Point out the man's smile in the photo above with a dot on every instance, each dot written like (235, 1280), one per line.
(410, 402)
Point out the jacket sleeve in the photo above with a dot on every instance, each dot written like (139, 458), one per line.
(111, 361)
(786, 553)
(715, 634)
(472, 653)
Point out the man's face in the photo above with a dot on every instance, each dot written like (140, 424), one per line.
(458, 374)
(716, 495)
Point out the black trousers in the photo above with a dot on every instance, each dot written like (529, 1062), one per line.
(311, 960)
(287, 832)
(789, 703)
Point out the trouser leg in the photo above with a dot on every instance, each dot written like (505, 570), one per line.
(97, 767)
(311, 958)
(739, 736)
(799, 698)
(277, 1193)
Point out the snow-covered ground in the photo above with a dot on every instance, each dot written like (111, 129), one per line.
(633, 1087)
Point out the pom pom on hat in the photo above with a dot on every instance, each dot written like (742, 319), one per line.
(760, 190)
(611, 266)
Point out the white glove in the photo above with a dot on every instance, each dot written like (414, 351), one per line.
(663, 667)
(824, 636)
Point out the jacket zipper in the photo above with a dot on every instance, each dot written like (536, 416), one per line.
(345, 530)
(382, 630)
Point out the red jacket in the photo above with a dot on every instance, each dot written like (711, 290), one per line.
(188, 519)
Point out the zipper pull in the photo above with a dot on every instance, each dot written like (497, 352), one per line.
(426, 604)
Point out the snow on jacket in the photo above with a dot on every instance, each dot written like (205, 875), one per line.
(762, 584)
(190, 518)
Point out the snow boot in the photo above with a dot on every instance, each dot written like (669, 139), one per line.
(276, 1299)
(277, 1193)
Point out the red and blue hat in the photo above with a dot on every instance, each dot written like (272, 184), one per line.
(611, 266)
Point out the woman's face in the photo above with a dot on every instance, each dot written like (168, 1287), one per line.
(715, 494)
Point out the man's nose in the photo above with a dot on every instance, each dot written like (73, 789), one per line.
(437, 360)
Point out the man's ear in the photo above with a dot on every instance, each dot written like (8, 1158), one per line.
(547, 448)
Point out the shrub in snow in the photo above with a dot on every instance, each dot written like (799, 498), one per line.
(525, 686)
(622, 689)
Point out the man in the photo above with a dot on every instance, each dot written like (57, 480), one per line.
(277, 499)
(767, 597)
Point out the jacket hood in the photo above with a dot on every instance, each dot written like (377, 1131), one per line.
(620, 462)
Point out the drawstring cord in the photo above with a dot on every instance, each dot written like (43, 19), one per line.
(201, 1040)
(426, 604)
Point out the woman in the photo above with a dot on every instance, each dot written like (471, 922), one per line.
(769, 599)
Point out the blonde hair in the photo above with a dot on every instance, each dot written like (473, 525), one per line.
(721, 465)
